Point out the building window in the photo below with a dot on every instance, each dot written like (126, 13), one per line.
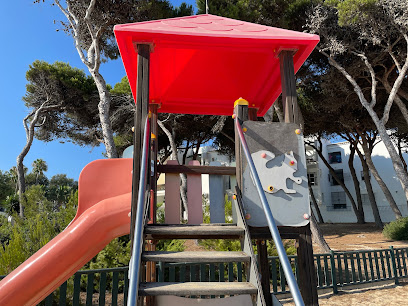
(339, 200)
(339, 174)
(312, 178)
(334, 157)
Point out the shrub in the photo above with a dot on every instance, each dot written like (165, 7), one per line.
(397, 230)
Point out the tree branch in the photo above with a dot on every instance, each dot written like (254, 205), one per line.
(373, 79)
(73, 21)
(396, 86)
(353, 82)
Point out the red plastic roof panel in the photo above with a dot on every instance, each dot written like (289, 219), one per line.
(201, 64)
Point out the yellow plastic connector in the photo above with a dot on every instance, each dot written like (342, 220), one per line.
(241, 101)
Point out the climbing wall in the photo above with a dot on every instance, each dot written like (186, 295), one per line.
(278, 153)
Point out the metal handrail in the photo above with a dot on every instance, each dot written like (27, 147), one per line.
(294, 288)
(140, 218)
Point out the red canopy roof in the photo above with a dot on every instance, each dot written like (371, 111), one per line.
(201, 64)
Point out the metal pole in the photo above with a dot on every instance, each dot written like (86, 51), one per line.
(138, 236)
(294, 289)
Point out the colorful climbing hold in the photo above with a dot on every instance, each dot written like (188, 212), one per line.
(245, 129)
(306, 216)
(298, 131)
(263, 155)
(292, 162)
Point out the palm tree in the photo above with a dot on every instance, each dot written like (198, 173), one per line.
(39, 167)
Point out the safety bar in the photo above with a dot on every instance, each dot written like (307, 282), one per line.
(140, 220)
(294, 289)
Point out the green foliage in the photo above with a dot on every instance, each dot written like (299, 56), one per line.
(36, 179)
(11, 204)
(115, 254)
(352, 11)
(6, 187)
(6, 230)
(175, 245)
(397, 230)
(68, 103)
(26, 236)
(122, 88)
(14, 253)
(37, 203)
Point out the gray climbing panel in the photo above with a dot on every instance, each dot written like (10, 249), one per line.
(278, 153)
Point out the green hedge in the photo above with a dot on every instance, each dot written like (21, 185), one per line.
(397, 230)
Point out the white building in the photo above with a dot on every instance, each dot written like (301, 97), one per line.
(210, 156)
(333, 202)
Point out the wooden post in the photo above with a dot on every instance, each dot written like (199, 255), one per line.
(142, 104)
(306, 269)
(252, 114)
(333, 272)
(289, 98)
(241, 112)
(264, 269)
(306, 273)
(153, 153)
(194, 196)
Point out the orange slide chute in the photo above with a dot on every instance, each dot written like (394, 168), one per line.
(103, 214)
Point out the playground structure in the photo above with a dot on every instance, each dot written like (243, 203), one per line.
(197, 65)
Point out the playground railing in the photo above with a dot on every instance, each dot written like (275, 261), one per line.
(216, 179)
(334, 270)
(142, 208)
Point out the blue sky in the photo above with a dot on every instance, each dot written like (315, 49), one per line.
(29, 33)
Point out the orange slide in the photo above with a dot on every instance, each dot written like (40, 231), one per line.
(103, 214)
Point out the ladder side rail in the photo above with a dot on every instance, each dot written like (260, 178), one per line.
(297, 297)
(142, 207)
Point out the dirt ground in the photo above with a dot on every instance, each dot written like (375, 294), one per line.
(351, 236)
(387, 295)
(347, 237)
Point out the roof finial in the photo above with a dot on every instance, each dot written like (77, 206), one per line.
(206, 6)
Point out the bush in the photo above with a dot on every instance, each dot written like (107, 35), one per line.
(26, 236)
(397, 230)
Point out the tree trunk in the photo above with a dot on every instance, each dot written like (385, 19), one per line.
(312, 196)
(370, 193)
(21, 178)
(356, 181)
(268, 117)
(400, 153)
(317, 235)
(396, 161)
(278, 110)
(380, 123)
(183, 177)
(360, 218)
(383, 186)
(29, 130)
(187, 147)
(104, 114)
